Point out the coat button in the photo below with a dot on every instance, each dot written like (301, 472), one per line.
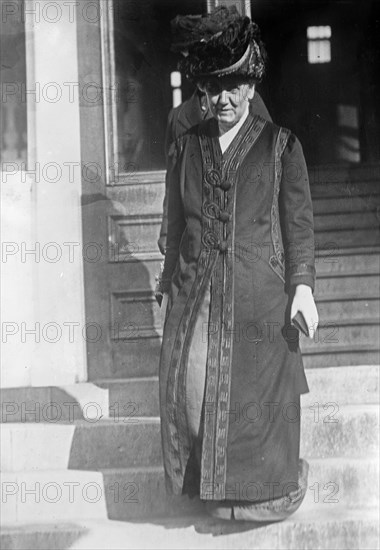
(223, 246)
(225, 185)
(224, 216)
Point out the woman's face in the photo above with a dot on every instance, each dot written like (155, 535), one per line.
(228, 99)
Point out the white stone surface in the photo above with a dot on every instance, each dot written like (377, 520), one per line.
(44, 291)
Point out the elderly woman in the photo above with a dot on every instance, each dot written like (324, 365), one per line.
(239, 266)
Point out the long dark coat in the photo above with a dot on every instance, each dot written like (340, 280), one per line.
(181, 119)
(240, 227)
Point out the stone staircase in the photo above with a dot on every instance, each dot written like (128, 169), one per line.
(347, 234)
(85, 469)
(68, 481)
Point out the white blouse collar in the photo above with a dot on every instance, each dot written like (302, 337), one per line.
(226, 138)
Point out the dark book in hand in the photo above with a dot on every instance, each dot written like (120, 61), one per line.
(299, 322)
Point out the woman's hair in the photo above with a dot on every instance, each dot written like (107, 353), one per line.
(203, 83)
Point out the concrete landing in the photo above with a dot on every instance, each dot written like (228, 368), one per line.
(322, 530)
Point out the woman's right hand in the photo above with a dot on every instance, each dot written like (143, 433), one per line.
(303, 301)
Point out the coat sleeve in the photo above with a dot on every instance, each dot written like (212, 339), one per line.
(296, 214)
(176, 223)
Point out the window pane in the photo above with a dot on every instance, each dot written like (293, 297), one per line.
(144, 65)
(319, 32)
(319, 51)
(13, 86)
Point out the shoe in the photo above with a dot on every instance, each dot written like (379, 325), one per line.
(277, 509)
(219, 510)
(272, 510)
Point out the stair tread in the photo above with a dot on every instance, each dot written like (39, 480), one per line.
(374, 193)
(340, 348)
(201, 531)
(138, 379)
(134, 469)
(345, 297)
(363, 198)
(349, 322)
(82, 423)
(134, 379)
(154, 420)
(115, 381)
(135, 420)
(346, 274)
(350, 250)
(41, 527)
(359, 249)
(343, 460)
(336, 460)
(307, 515)
(353, 227)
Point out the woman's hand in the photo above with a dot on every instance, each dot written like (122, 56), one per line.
(303, 301)
(164, 305)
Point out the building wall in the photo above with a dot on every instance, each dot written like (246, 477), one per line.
(43, 304)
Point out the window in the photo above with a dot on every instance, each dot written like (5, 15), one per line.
(146, 79)
(176, 81)
(13, 85)
(318, 44)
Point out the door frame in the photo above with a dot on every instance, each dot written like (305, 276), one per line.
(113, 176)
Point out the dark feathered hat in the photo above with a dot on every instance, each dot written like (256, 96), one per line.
(220, 44)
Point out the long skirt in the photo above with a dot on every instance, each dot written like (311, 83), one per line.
(275, 509)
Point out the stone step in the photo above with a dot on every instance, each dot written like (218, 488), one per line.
(117, 442)
(367, 191)
(43, 537)
(336, 261)
(351, 221)
(326, 238)
(348, 482)
(339, 430)
(347, 308)
(358, 203)
(344, 182)
(55, 495)
(325, 530)
(131, 493)
(344, 331)
(141, 392)
(358, 285)
(334, 482)
(351, 385)
(317, 357)
(130, 397)
(54, 403)
(109, 443)
(344, 430)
